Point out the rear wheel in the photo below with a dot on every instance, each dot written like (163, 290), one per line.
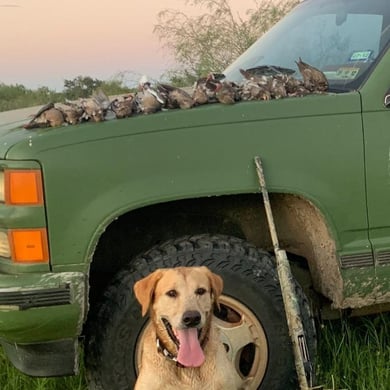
(251, 316)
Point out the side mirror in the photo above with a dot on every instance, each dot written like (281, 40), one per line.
(387, 99)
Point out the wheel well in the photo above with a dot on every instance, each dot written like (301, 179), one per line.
(301, 228)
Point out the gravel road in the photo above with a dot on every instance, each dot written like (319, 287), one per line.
(16, 118)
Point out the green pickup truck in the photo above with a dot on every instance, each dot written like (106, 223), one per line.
(86, 210)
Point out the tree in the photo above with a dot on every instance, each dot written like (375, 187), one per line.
(18, 96)
(84, 86)
(211, 41)
(81, 87)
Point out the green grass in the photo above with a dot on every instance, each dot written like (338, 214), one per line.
(12, 379)
(354, 354)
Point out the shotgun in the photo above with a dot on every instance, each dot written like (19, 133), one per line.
(290, 300)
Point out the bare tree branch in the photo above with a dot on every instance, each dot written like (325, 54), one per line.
(212, 40)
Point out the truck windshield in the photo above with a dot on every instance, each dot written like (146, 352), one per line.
(343, 38)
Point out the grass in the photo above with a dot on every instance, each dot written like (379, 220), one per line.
(354, 354)
(12, 379)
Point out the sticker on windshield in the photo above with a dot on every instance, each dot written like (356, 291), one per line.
(361, 56)
(347, 73)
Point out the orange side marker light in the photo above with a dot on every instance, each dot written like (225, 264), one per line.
(23, 187)
(29, 246)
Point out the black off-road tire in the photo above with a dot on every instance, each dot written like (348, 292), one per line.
(249, 278)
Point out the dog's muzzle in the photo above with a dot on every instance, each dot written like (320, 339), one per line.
(191, 318)
(186, 339)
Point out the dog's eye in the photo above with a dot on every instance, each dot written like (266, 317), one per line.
(172, 293)
(200, 291)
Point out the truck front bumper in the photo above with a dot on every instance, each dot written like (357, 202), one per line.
(41, 318)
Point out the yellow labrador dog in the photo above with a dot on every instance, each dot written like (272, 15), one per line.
(182, 348)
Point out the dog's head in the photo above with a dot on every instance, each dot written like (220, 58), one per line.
(181, 302)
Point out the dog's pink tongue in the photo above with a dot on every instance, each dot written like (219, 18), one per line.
(190, 352)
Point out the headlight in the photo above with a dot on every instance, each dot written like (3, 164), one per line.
(4, 245)
(2, 186)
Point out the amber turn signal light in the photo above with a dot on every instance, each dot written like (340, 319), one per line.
(23, 187)
(29, 245)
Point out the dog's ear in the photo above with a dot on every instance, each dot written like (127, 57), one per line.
(144, 289)
(216, 285)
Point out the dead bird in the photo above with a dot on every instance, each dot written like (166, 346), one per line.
(124, 106)
(204, 89)
(175, 97)
(226, 92)
(200, 95)
(277, 87)
(259, 79)
(151, 100)
(314, 79)
(101, 98)
(94, 108)
(72, 113)
(266, 70)
(292, 85)
(251, 90)
(269, 82)
(47, 116)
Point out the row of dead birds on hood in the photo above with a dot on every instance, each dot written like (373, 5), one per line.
(260, 83)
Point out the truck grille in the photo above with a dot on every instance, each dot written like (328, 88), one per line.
(357, 260)
(27, 299)
(383, 258)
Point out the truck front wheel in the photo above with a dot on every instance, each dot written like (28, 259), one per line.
(251, 316)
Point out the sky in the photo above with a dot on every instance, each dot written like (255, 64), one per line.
(44, 42)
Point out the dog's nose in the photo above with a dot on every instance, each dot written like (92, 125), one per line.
(191, 318)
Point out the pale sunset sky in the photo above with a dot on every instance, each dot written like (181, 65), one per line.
(44, 42)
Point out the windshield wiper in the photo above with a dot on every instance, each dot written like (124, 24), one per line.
(269, 70)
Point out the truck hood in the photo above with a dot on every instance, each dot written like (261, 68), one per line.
(28, 144)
